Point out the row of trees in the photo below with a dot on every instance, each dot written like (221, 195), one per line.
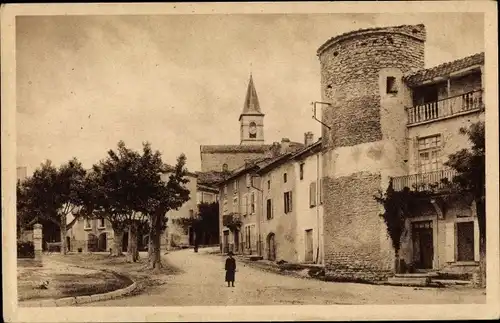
(132, 190)
(469, 182)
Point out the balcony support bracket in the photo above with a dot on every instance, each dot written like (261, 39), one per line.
(439, 207)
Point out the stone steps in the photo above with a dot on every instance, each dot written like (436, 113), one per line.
(401, 280)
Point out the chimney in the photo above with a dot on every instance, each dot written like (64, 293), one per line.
(308, 138)
(274, 151)
(285, 145)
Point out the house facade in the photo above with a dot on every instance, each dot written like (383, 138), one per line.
(444, 233)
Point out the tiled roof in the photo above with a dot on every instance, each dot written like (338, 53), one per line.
(418, 77)
(234, 148)
(406, 29)
(210, 178)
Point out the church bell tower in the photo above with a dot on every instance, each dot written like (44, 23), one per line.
(251, 118)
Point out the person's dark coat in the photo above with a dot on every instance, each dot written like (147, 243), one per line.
(230, 269)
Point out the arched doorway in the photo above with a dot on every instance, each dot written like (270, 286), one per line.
(68, 243)
(92, 242)
(103, 239)
(271, 247)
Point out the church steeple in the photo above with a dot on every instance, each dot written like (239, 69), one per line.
(251, 105)
(251, 118)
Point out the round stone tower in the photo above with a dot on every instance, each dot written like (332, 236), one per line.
(365, 144)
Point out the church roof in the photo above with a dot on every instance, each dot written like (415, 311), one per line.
(251, 105)
(234, 148)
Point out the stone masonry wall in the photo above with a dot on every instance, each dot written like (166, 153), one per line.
(349, 80)
(352, 239)
(352, 68)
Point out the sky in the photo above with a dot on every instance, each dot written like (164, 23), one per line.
(179, 81)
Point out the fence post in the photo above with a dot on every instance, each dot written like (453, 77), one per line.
(37, 240)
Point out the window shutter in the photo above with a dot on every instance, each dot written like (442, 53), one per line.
(450, 241)
(290, 203)
(312, 194)
(321, 191)
(416, 157)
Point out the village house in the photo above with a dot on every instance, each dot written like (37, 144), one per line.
(444, 233)
(389, 117)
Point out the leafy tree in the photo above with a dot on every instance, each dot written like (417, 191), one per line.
(470, 179)
(208, 226)
(111, 191)
(158, 195)
(52, 194)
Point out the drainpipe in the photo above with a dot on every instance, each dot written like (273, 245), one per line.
(317, 206)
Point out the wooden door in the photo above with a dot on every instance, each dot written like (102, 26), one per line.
(226, 241)
(309, 246)
(271, 247)
(465, 241)
(236, 240)
(423, 245)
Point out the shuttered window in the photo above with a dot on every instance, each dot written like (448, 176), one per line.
(287, 202)
(312, 194)
(269, 209)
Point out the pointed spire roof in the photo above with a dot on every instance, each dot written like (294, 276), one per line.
(251, 105)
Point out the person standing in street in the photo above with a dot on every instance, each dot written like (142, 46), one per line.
(230, 269)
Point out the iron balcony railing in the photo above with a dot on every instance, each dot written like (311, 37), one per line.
(424, 181)
(446, 107)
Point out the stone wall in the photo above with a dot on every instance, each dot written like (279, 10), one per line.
(366, 142)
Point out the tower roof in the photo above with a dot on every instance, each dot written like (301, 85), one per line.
(251, 105)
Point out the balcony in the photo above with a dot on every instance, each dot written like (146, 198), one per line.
(448, 107)
(424, 181)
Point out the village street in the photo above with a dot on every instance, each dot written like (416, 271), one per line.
(202, 283)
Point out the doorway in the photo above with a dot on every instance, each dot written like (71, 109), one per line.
(271, 247)
(423, 244)
(68, 243)
(102, 241)
(309, 256)
(225, 241)
(465, 241)
(125, 242)
(92, 243)
(236, 240)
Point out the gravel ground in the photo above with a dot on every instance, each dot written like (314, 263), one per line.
(200, 281)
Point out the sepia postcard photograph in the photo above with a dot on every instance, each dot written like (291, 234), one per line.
(250, 161)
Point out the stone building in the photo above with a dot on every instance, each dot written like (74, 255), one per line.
(385, 109)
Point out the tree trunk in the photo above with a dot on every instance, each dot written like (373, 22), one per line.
(63, 230)
(117, 242)
(132, 252)
(154, 257)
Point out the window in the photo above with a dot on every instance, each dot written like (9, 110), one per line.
(87, 224)
(224, 207)
(244, 205)
(269, 184)
(391, 85)
(225, 168)
(301, 169)
(252, 130)
(288, 202)
(101, 223)
(225, 189)
(235, 187)
(236, 206)
(252, 203)
(429, 151)
(284, 177)
(269, 209)
(312, 194)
